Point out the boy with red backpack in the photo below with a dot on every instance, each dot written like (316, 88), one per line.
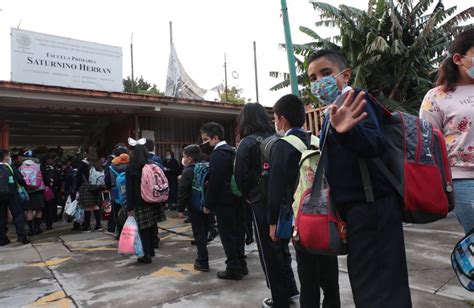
(376, 251)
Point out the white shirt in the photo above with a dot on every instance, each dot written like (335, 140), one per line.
(220, 144)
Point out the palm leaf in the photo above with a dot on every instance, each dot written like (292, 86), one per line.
(274, 74)
(327, 10)
(460, 17)
(379, 45)
(420, 8)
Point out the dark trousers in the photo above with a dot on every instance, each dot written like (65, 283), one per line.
(112, 222)
(376, 262)
(230, 220)
(147, 236)
(248, 223)
(275, 258)
(315, 272)
(50, 212)
(200, 226)
(13, 203)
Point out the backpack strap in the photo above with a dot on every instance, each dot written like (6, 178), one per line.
(367, 182)
(295, 142)
(388, 175)
(113, 170)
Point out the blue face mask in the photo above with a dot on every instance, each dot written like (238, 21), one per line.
(470, 71)
(326, 89)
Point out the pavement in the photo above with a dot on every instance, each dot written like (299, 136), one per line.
(62, 268)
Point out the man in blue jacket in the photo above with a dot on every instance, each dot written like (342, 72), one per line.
(376, 260)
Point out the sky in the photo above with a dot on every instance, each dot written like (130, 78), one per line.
(202, 32)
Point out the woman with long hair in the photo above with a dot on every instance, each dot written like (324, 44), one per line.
(449, 107)
(146, 214)
(254, 125)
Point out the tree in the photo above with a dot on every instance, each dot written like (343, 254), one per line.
(393, 48)
(233, 96)
(140, 86)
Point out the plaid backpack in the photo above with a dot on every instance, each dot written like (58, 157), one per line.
(462, 261)
(418, 167)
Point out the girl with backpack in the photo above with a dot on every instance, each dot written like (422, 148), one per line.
(448, 107)
(88, 186)
(31, 172)
(145, 213)
(254, 126)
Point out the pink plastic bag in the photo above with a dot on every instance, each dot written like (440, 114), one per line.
(130, 242)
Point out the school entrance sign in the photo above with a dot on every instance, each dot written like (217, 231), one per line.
(58, 61)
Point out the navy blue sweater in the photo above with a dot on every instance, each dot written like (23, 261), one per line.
(365, 140)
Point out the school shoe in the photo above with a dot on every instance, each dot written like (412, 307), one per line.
(86, 229)
(4, 242)
(76, 227)
(295, 298)
(98, 228)
(109, 232)
(144, 259)
(230, 275)
(212, 235)
(245, 270)
(267, 302)
(23, 239)
(201, 267)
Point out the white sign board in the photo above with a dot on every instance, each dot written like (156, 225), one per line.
(58, 61)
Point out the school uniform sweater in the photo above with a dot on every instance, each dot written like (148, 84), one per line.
(342, 170)
(221, 168)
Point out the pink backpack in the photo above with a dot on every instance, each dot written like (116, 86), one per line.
(154, 185)
(32, 174)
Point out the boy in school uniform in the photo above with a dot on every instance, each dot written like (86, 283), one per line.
(376, 250)
(289, 117)
(199, 220)
(219, 198)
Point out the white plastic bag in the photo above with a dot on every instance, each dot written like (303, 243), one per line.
(70, 207)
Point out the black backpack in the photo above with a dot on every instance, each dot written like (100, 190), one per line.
(6, 182)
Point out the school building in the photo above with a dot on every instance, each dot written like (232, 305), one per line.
(34, 115)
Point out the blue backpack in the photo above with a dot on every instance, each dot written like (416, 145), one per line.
(201, 175)
(462, 261)
(119, 191)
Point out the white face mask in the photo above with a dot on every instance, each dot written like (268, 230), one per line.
(279, 132)
(9, 161)
(183, 162)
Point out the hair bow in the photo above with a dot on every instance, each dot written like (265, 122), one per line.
(132, 142)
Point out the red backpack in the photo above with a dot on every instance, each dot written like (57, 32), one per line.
(417, 167)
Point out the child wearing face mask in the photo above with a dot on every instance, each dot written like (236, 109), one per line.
(199, 220)
(449, 107)
(351, 135)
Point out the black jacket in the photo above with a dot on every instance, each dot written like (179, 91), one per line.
(284, 170)
(133, 180)
(248, 167)
(221, 167)
(366, 140)
(185, 189)
(82, 175)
